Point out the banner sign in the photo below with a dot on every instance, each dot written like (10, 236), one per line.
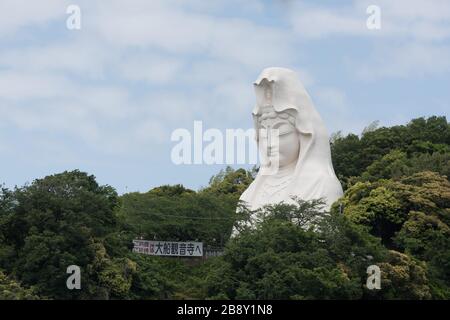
(169, 248)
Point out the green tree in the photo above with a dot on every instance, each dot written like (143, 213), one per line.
(411, 214)
(168, 190)
(427, 237)
(384, 205)
(281, 258)
(396, 164)
(230, 181)
(53, 223)
(12, 290)
(403, 277)
(201, 216)
(352, 155)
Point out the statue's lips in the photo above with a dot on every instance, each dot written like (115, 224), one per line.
(272, 152)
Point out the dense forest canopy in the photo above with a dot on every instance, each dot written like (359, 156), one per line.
(422, 144)
(395, 214)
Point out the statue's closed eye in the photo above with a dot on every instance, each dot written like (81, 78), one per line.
(280, 128)
(269, 115)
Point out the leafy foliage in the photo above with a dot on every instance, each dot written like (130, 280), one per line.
(56, 222)
(396, 215)
(419, 139)
(230, 181)
(410, 214)
(323, 258)
(187, 216)
(12, 290)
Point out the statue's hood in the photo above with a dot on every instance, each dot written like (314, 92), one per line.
(288, 91)
(314, 174)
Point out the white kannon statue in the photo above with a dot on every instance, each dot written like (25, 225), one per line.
(293, 144)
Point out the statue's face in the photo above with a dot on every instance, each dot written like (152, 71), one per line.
(278, 140)
(279, 143)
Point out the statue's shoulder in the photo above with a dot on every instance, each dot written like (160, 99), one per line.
(249, 192)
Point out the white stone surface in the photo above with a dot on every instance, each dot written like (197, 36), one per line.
(296, 161)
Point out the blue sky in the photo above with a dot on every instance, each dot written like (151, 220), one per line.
(106, 98)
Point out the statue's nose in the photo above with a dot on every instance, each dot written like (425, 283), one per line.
(269, 141)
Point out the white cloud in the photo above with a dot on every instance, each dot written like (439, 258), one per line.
(319, 22)
(331, 99)
(18, 85)
(76, 57)
(16, 14)
(335, 109)
(414, 29)
(414, 19)
(138, 69)
(190, 61)
(162, 26)
(151, 131)
(151, 68)
(419, 59)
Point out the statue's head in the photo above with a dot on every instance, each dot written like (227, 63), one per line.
(290, 134)
(280, 119)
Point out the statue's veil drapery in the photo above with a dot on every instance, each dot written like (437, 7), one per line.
(314, 175)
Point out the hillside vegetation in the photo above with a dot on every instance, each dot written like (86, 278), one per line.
(395, 214)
